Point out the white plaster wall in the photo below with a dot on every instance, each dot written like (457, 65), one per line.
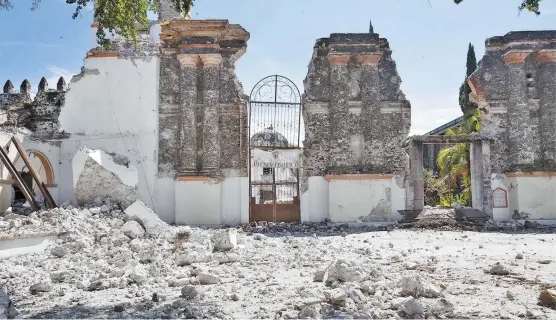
(198, 203)
(501, 181)
(113, 107)
(397, 200)
(318, 199)
(537, 197)
(165, 199)
(232, 200)
(351, 200)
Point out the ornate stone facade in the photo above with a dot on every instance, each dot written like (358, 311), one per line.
(203, 110)
(355, 115)
(515, 87)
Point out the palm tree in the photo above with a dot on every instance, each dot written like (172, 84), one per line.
(453, 161)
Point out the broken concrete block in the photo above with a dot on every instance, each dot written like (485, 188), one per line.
(442, 306)
(40, 287)
(205, 278)
(189, 292)
(224, 240)
(98, 176)
(133, 229)
(412, 306)
(150, 221)
(344, 271)
(336, 297)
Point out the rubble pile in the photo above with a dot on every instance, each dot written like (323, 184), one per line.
(114, 263)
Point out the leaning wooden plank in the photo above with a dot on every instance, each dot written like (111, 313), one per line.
(20, 183)
(49, 201)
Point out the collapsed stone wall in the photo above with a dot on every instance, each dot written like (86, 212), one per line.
(515, 88)
(355, 115)
(202, 109)
(38, 114)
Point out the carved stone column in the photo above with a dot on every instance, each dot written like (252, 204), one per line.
(188, 104)
(339, 110)
(370, 110)
(546, 86)
(518, 111)
(211, 115)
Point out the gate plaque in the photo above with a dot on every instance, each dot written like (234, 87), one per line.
(500, 198)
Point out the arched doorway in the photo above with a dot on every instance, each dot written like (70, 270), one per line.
(42, 167)
(274, 150)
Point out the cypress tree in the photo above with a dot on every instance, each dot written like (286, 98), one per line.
(464, 90)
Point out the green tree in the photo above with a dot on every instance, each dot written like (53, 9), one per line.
(120, 16)
(529, 5)
(465, 90)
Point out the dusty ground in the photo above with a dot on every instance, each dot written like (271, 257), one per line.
(99, 273)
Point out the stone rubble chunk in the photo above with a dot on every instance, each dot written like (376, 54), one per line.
(206, 279)
(412, 306)
(133, 229)
(189, 292)
(153, 225)
(58, 251)
(310, 312)
(442, 306)
(368, 287)
(344, 271)
(40, 287)
(336, 296)
(319, 276)
(499, 270)
(414, 286)
(224, 240)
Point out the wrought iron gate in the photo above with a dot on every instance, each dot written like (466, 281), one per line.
(274, 152)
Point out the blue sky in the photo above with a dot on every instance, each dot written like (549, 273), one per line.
(429, 40)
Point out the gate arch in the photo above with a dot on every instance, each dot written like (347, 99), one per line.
(274, 150)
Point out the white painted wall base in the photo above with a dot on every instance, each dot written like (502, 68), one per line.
(530, 193)
(341, 199)
(198, 203)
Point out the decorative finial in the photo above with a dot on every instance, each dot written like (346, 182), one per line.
(9, 87)
(43, 85)
(371, 29)
(61, 85)
(25, 87)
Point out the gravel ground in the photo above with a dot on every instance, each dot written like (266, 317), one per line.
(99, 271)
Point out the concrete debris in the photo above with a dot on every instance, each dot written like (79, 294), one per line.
(133, 229)
(336, 296)
(499, 270)
(225, 240)
(416, 287)
(205, 278)
(310, 312)
(189, 292)
(7, 309)
(344, 271)
(519, 256)
(101, 270)
(442, 306)
(154, 227)
(412, 306)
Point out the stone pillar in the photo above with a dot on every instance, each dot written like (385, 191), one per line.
(476, 166)
(370, 110)
(188, 106)
(417, 175)
(211, 114)
(519, 134)
(546, 88)
(487, 176)
(339, 110)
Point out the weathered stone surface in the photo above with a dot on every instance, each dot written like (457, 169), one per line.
(224, 240)
(355, 114)
(148, 219)
(202, 109)
(514, 87)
